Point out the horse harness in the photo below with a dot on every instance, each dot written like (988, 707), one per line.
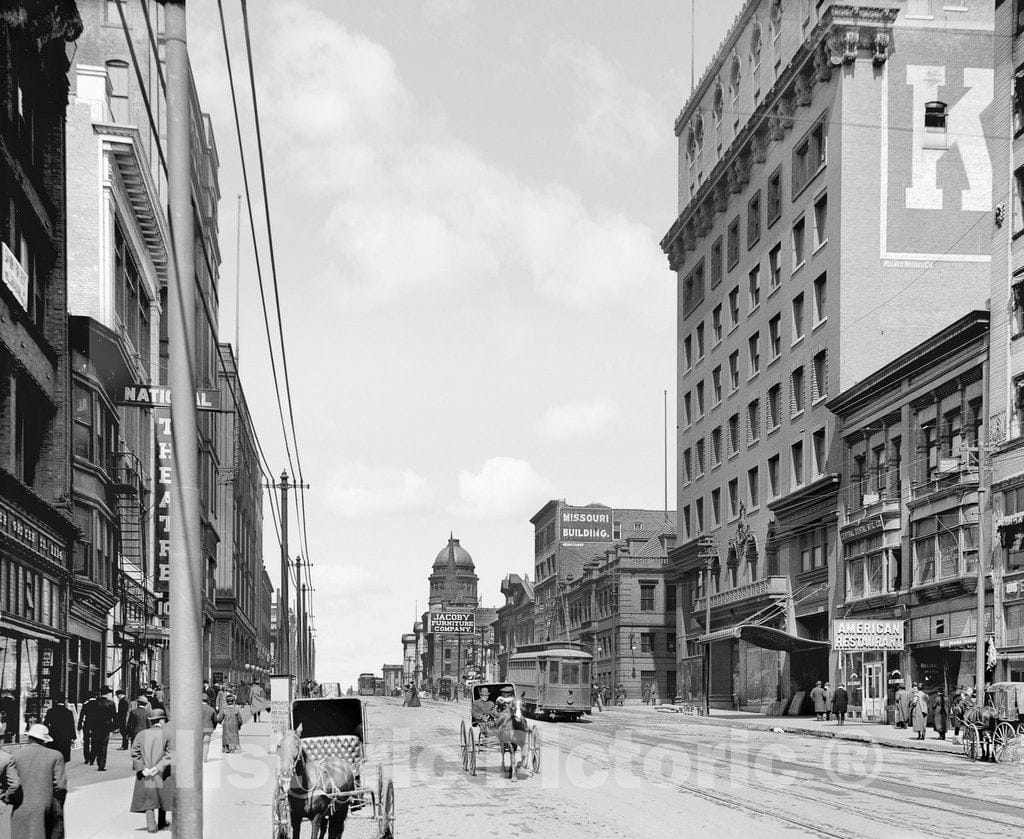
(329, 790)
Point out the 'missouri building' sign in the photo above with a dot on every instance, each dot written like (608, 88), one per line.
(585, 524)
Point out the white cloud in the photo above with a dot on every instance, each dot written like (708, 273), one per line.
(619, 121)
(409, 206)
(364, 492)
(578, 420)
(504, 488)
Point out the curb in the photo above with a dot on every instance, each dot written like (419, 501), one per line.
(852, 737)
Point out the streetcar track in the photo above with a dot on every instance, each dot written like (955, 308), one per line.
(848, 801)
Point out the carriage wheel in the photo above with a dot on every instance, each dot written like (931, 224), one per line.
(535, 749)
(387, 812)
(972, 741)
(1003, 739)
(464, 745)
(473, 749)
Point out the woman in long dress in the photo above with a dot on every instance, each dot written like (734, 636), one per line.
(231, 724)
(257, 701)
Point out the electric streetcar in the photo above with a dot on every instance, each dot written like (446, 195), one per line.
(553, 679)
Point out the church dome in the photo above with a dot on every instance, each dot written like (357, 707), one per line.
(462, 557)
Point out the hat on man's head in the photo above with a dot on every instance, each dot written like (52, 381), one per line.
(105, 690)
(508, 690)
(143, 699)
(156, 714)
(40, 733)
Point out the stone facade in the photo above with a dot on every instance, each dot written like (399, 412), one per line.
(817, 208)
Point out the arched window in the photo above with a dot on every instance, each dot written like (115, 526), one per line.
(935, 114)
(718, 103)
(698, 132)
(117, 90)
(691, 147)
(734, 77)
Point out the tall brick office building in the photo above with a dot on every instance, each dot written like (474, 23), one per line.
(37, 533)
(835, 178)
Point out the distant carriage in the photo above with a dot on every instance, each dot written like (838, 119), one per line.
(554, 678)
(331, 730)
(501, 733)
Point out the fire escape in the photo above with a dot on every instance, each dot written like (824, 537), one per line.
(134, 604)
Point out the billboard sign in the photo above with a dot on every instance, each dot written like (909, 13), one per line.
(153, 396)
(162, 519)
(453, 622)
(855, 635)
(585, 524)
(15, 277)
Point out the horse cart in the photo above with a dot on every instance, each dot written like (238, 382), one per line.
(1008, 700)
(323, 775)
(497, 724)
(991, 730)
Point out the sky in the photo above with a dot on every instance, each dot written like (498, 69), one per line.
(467, 200)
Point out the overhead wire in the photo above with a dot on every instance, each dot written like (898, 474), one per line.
(255, 243)
(147, 103)
(301, 507)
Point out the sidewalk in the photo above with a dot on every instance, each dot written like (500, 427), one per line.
(856, 731)
(237, 791)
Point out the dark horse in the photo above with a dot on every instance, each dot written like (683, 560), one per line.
(512, 730)
(315, 789)
(985, 719)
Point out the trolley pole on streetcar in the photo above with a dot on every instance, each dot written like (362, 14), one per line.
(186, 567)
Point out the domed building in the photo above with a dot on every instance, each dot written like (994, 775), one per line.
(453, 579)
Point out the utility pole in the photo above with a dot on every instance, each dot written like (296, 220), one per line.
(284, 641)
(186, 566)
(984, 543)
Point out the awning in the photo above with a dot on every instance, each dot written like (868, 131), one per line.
(765, 637)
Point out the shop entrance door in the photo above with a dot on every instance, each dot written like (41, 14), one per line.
(874, 691)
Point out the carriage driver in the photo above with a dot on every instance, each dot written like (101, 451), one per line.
(508, 693)
(483, 708)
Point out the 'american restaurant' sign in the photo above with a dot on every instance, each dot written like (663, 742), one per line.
(853, 635)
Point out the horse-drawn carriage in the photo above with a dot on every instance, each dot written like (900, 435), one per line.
(990, 731)
(322, 773)
(497, 723)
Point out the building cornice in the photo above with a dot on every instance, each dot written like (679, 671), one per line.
(837, 38)
(124, 145)
(958, 336)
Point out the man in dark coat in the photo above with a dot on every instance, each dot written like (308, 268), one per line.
(840, 704)
(83, 725)
(138, 718)
(102, 721)
(40, 813)
(61, 724)
(122, 719)
(940, 716)
(151, 760)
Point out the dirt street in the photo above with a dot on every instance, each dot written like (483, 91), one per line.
(636, 773)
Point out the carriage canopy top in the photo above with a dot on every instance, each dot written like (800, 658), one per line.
(329, 717)
(494, 688)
